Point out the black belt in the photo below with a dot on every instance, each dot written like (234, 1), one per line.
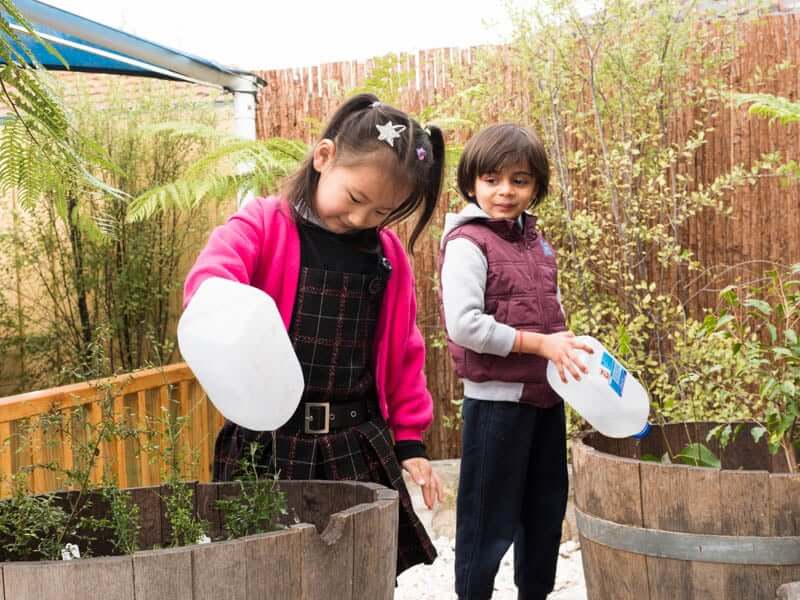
(324, 417)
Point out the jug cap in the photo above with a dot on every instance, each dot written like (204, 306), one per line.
(234, 340)
(643, 433)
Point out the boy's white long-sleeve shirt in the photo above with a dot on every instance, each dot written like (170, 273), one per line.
(463, 293)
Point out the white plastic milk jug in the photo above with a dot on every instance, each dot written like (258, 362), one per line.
(234, 340)
(608, 397)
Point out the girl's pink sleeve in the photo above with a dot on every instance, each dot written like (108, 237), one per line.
(232, 250)
(409, 402)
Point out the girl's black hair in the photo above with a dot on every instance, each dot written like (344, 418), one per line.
(499, 146)
(353, 129)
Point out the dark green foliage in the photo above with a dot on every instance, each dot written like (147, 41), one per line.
(259, 503)
(30, 526)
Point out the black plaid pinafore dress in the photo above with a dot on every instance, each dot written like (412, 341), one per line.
(332, 330)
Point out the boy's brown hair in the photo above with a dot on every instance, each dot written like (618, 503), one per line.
(500, 146)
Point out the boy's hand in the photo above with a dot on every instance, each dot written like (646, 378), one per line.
(423, 474)
(560, 349)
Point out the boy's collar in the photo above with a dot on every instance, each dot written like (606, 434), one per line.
(472, 210)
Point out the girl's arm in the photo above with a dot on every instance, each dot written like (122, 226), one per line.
(463, 290)
(408, 400)
(232, 250)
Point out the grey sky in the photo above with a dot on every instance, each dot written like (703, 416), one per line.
(286, 33)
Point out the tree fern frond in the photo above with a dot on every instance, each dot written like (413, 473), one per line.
(18, 164)
(181, 194)
(157, 199)
(10, 9)
(107, 223)
(187, 129)
(223, 158)
(232, 167)
(88, 226)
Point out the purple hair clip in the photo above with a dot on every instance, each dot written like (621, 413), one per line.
(421, 154)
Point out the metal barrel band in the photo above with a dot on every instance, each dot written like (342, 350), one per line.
(750, 550)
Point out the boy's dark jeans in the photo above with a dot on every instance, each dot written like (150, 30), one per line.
(512, 489)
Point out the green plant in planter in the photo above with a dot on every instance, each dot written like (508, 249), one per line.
(179, 505)
(258, 504)
(38, 527)
(762, 320)
(30, 526)
(187, 529)
(124, 520)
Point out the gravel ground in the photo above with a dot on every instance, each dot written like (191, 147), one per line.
(435, 582)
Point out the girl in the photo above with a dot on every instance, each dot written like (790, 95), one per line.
(504, 321)
(345, 291)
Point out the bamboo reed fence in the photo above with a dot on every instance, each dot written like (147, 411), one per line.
(762, 228)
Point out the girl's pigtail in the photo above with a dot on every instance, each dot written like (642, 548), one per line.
(433, 185)
(353, 105)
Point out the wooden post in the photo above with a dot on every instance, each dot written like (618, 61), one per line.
(37, 457)
(205, 453)
(67, 458)
(164, 415)
(6, 463)
(95, 418)
(142, 425)
(194, 459)
(187, 441)
(121, 465)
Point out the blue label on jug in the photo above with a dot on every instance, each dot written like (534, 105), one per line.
(613, 372)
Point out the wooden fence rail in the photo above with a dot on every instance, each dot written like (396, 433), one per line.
(50, 427)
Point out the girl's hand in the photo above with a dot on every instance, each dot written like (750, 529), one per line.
(423, 474)
(560, 349)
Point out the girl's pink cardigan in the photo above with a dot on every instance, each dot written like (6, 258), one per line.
(260, 246)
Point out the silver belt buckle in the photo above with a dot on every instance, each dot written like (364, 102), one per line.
(309, 418)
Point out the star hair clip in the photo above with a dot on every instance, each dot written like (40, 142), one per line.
(389, 133)
(421, 154)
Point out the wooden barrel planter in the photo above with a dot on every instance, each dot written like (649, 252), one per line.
(341, 542)
(667, 531)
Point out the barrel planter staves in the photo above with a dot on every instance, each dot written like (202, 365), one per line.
(665, 531)
(341, 542)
